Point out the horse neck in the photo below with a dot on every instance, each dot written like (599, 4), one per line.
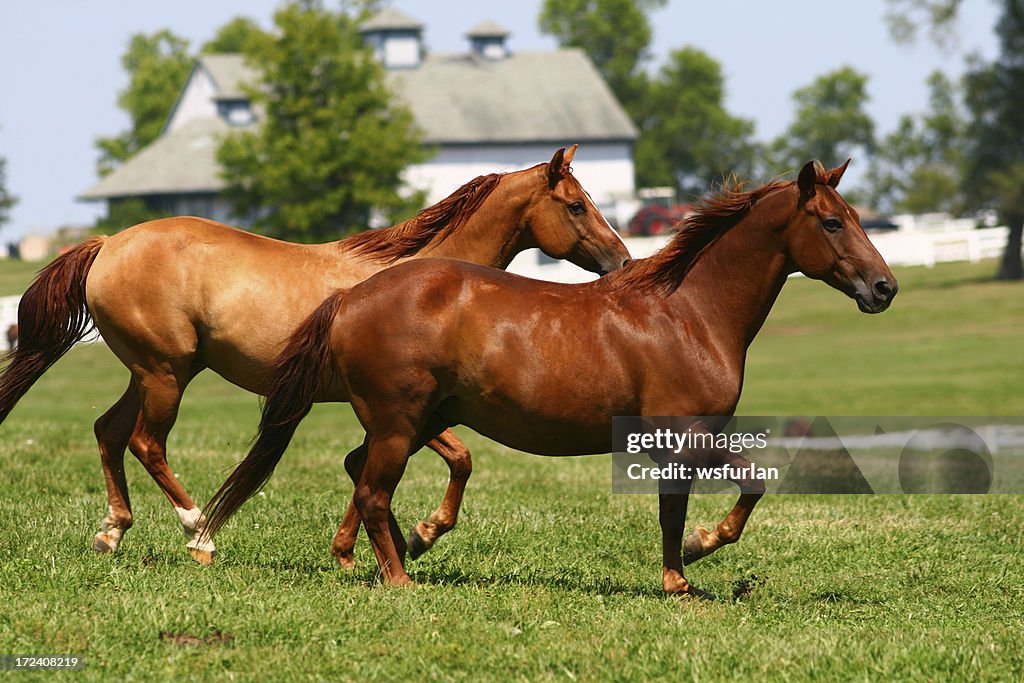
(491, 235)
(735, 282)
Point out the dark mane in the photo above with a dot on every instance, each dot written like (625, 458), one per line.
(712, 217)
(387, 245)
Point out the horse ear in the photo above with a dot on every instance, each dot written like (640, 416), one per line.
(555, 167)
(836, 173)
(806, 180)
(569, 154)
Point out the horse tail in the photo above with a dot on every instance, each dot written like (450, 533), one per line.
(52, 318)
(298, 374)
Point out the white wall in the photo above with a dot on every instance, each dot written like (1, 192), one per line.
(197, 100)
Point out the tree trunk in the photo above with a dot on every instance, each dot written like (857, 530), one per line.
(1010, 267)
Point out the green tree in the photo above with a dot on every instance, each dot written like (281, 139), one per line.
(7, 200)
(331, 145)
(994, 96)
(831, 122)
(615, 34)
(907, 17)
(240, 35)
(995, 134)
(688, 139)
(157, 66)
(919, 167)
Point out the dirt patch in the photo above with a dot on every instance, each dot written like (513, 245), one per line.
(189, 640)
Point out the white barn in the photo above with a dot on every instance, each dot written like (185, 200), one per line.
(484, 110)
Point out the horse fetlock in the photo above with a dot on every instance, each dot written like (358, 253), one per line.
(673, 582)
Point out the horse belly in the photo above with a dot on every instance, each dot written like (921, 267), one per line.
(540, 435)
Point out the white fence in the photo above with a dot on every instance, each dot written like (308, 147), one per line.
(953, 241)
(898, 248)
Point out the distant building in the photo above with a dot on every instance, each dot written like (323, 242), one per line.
(489, 109)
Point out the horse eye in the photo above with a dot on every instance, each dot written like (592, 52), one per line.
(576, 208)
(832, 224)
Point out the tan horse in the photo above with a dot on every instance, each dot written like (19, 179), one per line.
(543, 367)
(175, 296)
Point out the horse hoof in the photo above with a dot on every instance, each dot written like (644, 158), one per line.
(693, 547)
(101, 543)
(417, 545)
(203, 557)
(345, 560)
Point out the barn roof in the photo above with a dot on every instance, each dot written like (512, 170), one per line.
(181, 161)
(230, 73)
(550, 96)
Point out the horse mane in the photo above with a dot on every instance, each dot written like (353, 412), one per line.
(711, 218)
(387, 245)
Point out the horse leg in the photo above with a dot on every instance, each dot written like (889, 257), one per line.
(443, 519)
(672, 517)
(425, 534)
(701, 542)
(113, 430)
(344, 542)
(345, 539)
(161, 396)
(384, 465)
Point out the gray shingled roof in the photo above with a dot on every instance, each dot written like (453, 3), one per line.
(389, 19)
(487, 29)
(230, 73)
(555, 96)
(182, 161)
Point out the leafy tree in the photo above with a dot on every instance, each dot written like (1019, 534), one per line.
(994, 95)
(907, 17)
(615, 34)
(240, 35)
(331, 145)
(7, 200)
(830, 123)
(919, 167)
(995, 134)
(157, 66)
(688, 139)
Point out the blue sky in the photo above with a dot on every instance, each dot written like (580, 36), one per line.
(60, 69)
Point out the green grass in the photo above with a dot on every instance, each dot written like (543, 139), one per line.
(549, 576)
(15, 275)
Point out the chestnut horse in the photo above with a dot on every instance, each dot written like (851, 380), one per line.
(543, 367)
(175, 296)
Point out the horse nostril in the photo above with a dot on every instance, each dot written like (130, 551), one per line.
(884, 289)
(626, 262)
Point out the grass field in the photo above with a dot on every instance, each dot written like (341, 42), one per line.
(549, 576)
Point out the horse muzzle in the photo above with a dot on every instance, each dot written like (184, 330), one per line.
(878, 297)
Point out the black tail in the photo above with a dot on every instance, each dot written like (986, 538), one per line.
(298, 375)
(52, 317)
